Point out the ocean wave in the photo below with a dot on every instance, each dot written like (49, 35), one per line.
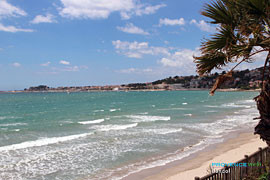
(170, 109)
(113, 110)
(248, 101)
(211, 111)
(3, 117)
(42, 142)
(184, 103)
(144, 113)
(212, 106)
(99, 110)
(8, 117)
(114, 127)
(139, 118)
(235, 105)
(188, 115)
(163, 131)
(228, 123)
(229, 105)
(97, 121)
(13, 124)
(164, 159)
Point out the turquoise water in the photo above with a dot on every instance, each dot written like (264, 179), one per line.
(108, 135)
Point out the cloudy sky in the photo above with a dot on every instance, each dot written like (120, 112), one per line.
(98, 42)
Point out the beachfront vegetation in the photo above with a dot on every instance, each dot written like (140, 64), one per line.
(242, 32)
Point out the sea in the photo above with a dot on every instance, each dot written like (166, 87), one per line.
(110, 135)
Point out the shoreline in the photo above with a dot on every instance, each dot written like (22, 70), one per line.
(233, 148)
(143, 90)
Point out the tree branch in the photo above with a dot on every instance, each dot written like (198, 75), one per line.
(264, 68)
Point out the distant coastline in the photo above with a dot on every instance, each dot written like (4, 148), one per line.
(142, 90)
(246, 80)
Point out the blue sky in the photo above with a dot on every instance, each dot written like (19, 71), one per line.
(98, 42)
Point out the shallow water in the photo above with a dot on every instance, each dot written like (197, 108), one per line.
(107, 135)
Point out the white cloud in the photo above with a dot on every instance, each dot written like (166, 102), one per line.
(172, 22)
(64, 62)
(131, 29)
(182, 59)
(203, 26)
(135, 71)
(16, 64)
(69, 69)
(143, 9)
(138, 49)
(48, 18)
(46, 64)
(8, 10)
(101, 9)
(13, 29)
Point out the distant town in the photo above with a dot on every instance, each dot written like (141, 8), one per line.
(242, 80)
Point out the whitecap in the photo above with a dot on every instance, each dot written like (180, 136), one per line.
(212, 106)
(99, 110)
(42, 142)
(188, 115)
(235, 105)
(140, 118)
(113, 110)
(184, 103)
(144, 113)
(97, 121)
(114, 127)
(163, 131)
(8, 117)
(13, 124)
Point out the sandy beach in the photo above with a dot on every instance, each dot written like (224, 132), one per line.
(231, 150)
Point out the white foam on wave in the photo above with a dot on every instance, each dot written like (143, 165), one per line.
(164, 159)
(140, 118)
(42, 142)
(170, 131)
(8, 117)
(144, 113)
(239, 104)
(113, 110)
(184, 103)
(13, 124)
(170, 109)
(99, 110)
(212, 106)
(211, 111)
(163, 131)
(97, 121)
(235, 105)
(114, 127)
(248, 101)
(188, 115)
(241, 118)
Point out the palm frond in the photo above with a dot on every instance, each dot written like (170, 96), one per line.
(207, 62)
(218, 12)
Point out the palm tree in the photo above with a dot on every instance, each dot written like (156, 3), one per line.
(242, 32)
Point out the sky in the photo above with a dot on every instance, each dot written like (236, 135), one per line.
(99, 42)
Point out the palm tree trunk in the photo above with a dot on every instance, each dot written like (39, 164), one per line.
(263, 105)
